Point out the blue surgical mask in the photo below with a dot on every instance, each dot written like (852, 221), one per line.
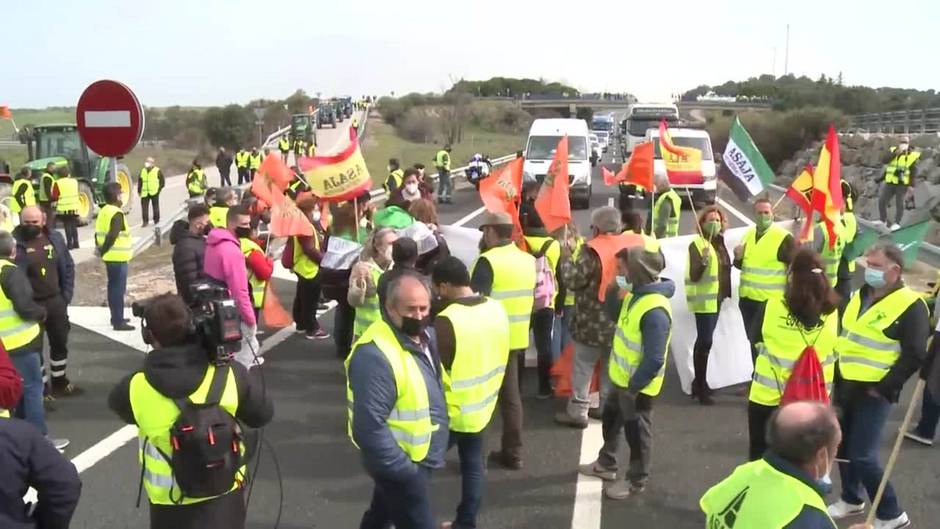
(623, 284)
(875, 278)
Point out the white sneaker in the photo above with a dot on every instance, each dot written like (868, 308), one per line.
(895, 227)
(842, 509)
(897, 523)
(914, 436)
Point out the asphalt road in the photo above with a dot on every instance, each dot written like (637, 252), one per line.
(324, 486)
(174, 195)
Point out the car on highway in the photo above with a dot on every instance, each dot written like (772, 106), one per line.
(544, 135)
(603, 138)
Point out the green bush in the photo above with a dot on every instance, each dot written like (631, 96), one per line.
(418, 125)
(778, 135)
(499, 116)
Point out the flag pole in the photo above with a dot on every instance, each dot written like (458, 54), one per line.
(779, 200)
(694, 213)
(918, 390)
(356, 215)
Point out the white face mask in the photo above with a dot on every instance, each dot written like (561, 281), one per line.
(825, 479)
(411, 187)
(903, 147)
(148, 165)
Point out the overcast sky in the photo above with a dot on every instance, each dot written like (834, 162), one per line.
(212, 52)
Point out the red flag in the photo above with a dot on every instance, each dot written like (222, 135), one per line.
(275, 168)
(288, 220)
(610, 178)
(800, 191)
(5, 112)
(502, 192)
(827, 184)
(552, 203)
(807, 380)
(639, 169)
(273, 312)
(683, 164)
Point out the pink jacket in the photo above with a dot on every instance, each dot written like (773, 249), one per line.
(225, 262)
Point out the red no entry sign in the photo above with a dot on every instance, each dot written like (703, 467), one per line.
(109, 117)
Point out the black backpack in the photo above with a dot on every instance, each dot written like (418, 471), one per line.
(206, 445)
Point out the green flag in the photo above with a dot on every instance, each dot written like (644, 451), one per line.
(392, 217)
(909, 239)
(863, 239)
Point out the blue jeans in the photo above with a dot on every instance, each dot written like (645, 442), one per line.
(404, 503)
(117, 285)
(863, 420)
(445, 185)
(30, 406)
(929, 416)
(470, 450)
(560, 334)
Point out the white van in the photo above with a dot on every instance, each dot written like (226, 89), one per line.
(544, 136)
(702, 188)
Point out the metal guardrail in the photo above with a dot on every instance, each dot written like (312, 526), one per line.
(922, 121)
(931, 249)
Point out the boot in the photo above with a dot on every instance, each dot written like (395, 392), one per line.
(700, 364)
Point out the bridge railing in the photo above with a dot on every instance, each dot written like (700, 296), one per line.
(921, 121)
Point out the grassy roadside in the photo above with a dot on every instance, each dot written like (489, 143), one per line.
(381, 143)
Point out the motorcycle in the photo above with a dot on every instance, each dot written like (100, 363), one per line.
(477, 169)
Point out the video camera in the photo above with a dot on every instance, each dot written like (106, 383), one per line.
(215, 319)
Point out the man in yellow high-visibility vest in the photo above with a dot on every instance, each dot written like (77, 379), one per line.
(65, 193)
(149, 185)
(113, 245)
(283, 145)
(900, 166)
(242, 161)
(397, 415)
(254, 163)
(444, 185)
(44, 193)
(473, 344)
(23, 194)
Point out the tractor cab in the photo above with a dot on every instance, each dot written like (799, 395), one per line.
(302, 126)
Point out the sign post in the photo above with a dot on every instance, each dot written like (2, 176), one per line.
(110, 121)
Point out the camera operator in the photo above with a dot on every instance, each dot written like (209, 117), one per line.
(179, 368)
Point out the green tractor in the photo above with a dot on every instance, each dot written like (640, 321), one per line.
(61, 145)
(303, 126)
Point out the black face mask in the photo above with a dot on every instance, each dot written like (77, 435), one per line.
(207, 229)
(242, 233)
(30, 231)
(413, 326)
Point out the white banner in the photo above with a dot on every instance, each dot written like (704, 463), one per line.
(463, 243)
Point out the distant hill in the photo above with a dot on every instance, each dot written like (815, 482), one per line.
(510, 87)
(790, 92)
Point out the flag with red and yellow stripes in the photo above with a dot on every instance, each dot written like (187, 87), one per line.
(827, 184)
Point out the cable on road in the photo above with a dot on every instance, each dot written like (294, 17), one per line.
(261, 443)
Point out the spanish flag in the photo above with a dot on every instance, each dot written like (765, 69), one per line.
(800, 192)
(827, 184)
(683, 164)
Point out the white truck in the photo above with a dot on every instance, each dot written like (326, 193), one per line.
(544, 135)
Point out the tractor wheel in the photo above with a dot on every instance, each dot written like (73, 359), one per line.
(128, 189)
(86, 204)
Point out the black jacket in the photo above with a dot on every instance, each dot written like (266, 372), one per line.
(223, 161)
(176, 372)
(15, 286)
(27, 459)
(188, 253)
(63, 260)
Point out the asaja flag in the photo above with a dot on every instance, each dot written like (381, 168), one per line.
(552, 202)
(827, 184)
(750, 173)
(683, 164)
(339, 177)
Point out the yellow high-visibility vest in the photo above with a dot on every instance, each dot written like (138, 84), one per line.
(217, 215)
(784, 342)
(257, 285)
(155, 415)
(628, 342)
(763, 275)
(29, 196)
(756, 495)
(369, 312)
(702, 295)
(196, 182)
(865, 353)
(514, 287)
(832, 257)
(304, 266)
(410, 418)
(150, 182)
(672, 222)
(254, 160)
(241, 159)
(45, 179)
(68, 201)
(15, 332)
(471, 387)
(396, 176)
(898, 169)
(283, 144)
(442, 160)
(121, 251)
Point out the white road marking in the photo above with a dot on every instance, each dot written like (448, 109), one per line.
(107, 118)
(731, 209)
(589, 491)
(470, 216)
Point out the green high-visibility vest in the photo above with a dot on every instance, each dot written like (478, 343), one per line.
(628, 341)
(217, 216)
(15, 332)
(672, 222)
(304, 266)
(196, 182)
(283, 144)
(471, 386)
(784, 342)
(155, 415)
(758, 496)
(442, 159)
(898, 169)
(702, 296)
(368, 313)
(150, 182)
(121, 251)
(68, 201)
(763, 276)
(865, 353)
(410, 418)
(29, 196)
(257, 286)
(514, 287)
